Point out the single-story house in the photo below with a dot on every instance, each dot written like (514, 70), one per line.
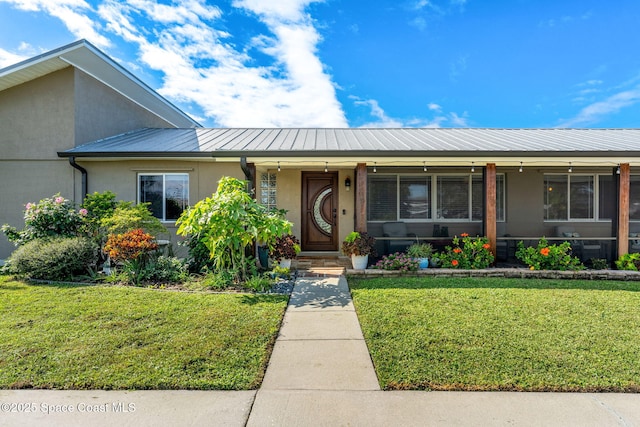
(507, 184)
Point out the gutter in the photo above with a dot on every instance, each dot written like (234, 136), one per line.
(83, 171)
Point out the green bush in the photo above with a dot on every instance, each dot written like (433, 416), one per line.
(258, 283)
(468, 253)
(128, 216)
(56, 259)
(629, 262)
(548, 257)
(168, 270)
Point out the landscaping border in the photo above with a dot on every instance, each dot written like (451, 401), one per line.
(519, 273)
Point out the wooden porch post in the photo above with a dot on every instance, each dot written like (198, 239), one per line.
(361, 198)
(623, 209)
(490, 212)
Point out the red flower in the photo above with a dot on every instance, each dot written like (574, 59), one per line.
(464, 235)
(457, 250)
(454, 262)
(544, 251)
(486, 246)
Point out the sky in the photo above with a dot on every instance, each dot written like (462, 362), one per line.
(360, 63)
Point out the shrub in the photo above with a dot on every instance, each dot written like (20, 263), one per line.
(283, 272)
(221, 279)
(258, 283)
(548, 257)
(52, 217)
(397, 261)
(128, 216)
(167, 269)
(629, 262)
(229, 223)
(468, 253)
(61, 258)
(98, 207)
(132, 245)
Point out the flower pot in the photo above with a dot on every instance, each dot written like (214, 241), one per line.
(359, 262)
(285, 263)
(423, 263)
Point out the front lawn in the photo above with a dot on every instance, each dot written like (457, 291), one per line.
(111, 337)
(501, 334)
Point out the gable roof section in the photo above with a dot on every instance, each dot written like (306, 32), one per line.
(87, 58)
(405, 142)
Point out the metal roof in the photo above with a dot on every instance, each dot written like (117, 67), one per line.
(387, 143)
(87, 58)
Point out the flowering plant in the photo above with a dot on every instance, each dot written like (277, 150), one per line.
(398, 261)
(286, 247)
(358, 244)
(548, 257)
(467, 253)
(51, 217)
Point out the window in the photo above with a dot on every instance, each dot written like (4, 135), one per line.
(634, 198)
(167, 193)
(580, 197)
(411, 197)
(268, 190)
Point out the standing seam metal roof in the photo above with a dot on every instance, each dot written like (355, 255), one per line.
(321, 142)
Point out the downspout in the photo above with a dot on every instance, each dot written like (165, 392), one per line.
(83, 171)
(248, 174)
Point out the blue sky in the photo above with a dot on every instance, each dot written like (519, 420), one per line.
(376, 63)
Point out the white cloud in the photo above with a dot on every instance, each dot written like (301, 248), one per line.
(7, 58)
(293, 91)
(382, 120)
(72, 13)
(596, 111)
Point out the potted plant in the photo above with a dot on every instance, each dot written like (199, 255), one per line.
(421, 252)
(285, 248)
(359, 246)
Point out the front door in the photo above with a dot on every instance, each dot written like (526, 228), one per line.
(319, 211)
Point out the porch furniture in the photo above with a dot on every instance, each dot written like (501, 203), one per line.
(502, 246)
(398, 232)
(634, 242)
(583, 249)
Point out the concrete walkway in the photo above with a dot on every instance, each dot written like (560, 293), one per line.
(320, 374)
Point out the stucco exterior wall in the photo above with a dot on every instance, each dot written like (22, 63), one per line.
(38, 117)
(101, 112)
(29, 181)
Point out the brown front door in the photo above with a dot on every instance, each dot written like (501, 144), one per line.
(319, 211)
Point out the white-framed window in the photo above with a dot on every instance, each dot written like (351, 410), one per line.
(424, 197)
(268, 193)
(166, 193)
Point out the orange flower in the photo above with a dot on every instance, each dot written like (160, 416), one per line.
(464, 235)
(544, 251)
(486, 246)
(454, 262)
(457, 250)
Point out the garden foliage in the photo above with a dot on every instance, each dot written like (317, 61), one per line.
(467, 253)
(229, 223)
(629, 262)
(61, 258)
(548, 257)
(51, 217)
(398, 262)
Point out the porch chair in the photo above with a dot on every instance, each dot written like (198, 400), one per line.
(397, 230)
(584, 250)
(503, 247)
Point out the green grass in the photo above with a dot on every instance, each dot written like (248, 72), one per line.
(102, 337)
(501, 334)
